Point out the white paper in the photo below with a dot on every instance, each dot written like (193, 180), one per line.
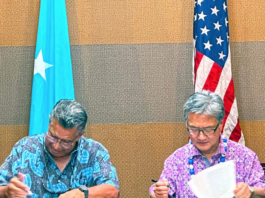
(218, 181)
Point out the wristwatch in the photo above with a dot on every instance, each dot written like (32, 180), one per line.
(84, 189)
(251, 190)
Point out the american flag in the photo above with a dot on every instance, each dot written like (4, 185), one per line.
(212, 60)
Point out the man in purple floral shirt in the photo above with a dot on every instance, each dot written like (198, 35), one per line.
(204, 113)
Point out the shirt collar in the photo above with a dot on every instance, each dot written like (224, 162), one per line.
(195, 152)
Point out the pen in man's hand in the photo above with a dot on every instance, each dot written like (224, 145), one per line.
(21, 178)
(153, 180)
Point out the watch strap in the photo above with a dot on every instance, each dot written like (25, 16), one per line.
(84, 189)
(86, 193)
(252, 191)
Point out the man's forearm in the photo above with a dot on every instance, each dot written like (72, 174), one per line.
(259, 192)
(3, 190)
(103, 191)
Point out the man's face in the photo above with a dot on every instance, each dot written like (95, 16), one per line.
(68, 136)
(207, 144)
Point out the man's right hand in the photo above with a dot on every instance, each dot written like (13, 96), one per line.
(16, 188)
(160, 189)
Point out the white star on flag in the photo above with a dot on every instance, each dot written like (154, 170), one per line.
(224, 6)
(200, 2)
(221, 55)
(208, 45)
(205, 30)
(214, 10)
(202, 16)
(226, 21)
(217, 25)
(40, 66)
(219, 40)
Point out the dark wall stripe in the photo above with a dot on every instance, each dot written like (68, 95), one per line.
(132, 83)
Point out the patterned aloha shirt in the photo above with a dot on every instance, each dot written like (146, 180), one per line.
(89, 165)
(176, 167)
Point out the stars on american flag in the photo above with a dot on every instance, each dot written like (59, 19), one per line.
(212, 29)
(202, 16)
(205, 30)
(217, 25)
(214, 10)
(200, 2)
(224, 6)
(221, 55)
(208, 45)
(219, 41)
(226, 21)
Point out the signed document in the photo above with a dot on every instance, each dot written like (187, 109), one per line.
(218, 181)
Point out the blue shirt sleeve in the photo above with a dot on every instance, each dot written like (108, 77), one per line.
(104, 172)
(9, 167)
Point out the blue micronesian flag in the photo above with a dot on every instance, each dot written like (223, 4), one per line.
(53, 77)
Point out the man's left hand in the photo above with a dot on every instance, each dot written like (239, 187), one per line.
(242, 190)
(76, 193)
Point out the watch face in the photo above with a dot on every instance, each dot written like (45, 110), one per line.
(83, 188)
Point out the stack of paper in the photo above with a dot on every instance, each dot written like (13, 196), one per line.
(218, 181)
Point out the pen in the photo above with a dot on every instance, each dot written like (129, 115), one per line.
(17, 176)
(153, 180)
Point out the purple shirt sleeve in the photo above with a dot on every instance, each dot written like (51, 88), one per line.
(167, 173)
(256, 174)
(176, 167)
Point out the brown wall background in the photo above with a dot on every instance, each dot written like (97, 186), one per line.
(132, 72)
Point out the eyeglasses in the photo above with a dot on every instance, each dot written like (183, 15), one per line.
(63, 143)
(208, 131)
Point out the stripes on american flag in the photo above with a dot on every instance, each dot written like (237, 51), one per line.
(212, 60)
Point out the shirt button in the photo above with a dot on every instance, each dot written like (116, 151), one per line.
(59, 181)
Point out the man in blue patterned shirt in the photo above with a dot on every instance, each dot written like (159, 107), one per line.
(60, 163)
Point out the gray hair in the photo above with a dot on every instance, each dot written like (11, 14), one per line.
(205, 102)
(69, 114)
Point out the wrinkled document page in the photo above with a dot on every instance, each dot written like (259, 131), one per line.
(218, 181)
